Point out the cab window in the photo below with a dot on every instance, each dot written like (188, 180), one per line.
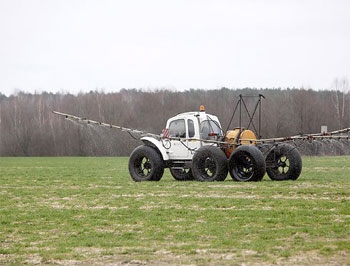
(190, 125)
(177, 128)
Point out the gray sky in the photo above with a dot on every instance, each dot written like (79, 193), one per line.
(83, 45)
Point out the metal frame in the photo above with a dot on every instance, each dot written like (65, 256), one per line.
(241, 103)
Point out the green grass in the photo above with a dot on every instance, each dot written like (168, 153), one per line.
(88, 210)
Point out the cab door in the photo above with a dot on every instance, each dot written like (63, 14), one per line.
(177, 129)
(187, 130)
(192, 136)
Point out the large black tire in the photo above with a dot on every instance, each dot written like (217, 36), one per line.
(182, 174)
(284, 163)
(247, 163)
(209, 163)
(146, 164)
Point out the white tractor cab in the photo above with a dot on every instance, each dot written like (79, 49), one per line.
(194, 147)
(184, 132)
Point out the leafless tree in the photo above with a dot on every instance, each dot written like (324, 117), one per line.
(28, 128)
(341, 89)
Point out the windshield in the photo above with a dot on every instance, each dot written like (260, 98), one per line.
(209, 127)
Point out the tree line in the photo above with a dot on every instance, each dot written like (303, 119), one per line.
(29, 128)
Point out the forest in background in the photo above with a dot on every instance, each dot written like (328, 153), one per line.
(29, 128)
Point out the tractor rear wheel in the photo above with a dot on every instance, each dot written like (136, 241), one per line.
(247, 163)
(182, 174)
(209, 163)
(286, 163)
(146, 164)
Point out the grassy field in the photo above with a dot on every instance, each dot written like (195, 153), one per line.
(83, 211)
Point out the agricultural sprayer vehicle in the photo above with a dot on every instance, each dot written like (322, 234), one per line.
(194, 146)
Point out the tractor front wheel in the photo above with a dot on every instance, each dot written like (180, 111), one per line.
(247, 163)
(146, 164)
(209, 163)
(284, 163)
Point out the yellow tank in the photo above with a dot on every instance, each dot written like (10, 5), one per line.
(247, 137)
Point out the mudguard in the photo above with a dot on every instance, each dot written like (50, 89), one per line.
(156, 144)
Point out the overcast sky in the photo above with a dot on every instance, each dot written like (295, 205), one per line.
(83, 45)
